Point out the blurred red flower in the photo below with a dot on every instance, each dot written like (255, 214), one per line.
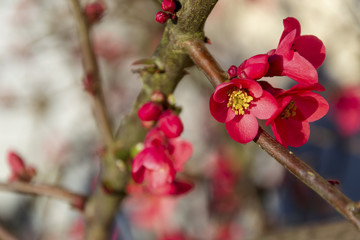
(156, 165)
(347, 111)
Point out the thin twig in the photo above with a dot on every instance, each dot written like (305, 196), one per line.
(91, 69)
(348, 208)
(74, 199)
(5, 235)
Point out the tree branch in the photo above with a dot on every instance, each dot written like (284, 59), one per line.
(349, 209)
(170, 60)
(76, 200)
(91, 70)
(5, 235)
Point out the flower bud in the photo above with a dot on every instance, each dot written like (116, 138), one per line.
(16, 163)
(149, 111)
(157, 97)
(88, 83)
(232, 71)
(95, 11)
(255, 67)
(170, 124)
(162, 17)
(168, 5)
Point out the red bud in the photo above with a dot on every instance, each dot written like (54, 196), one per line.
(162, 17)
(168, 5)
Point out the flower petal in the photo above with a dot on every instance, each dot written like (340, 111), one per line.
(253, 86)
(159, 178)
(243, 128)
(311, 105)
(182, 151)
(264, 107)
(138, 175)
(311, 48)
(291, 132)
(156, 158)
(138, 161)
(284, 47)
(220, 111)
(220, 93)
(300, 69)
(291, 24)
(282, 103)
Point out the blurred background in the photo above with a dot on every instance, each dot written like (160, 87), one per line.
(240, 192)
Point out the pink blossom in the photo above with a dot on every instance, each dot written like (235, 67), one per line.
(347, 111)
(156, 165)
(296, 56)
(238, 103)
(153, 165)
(297, 107)
(151, 211)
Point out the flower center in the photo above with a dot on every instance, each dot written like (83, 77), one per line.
(289, 111)
(239, 101)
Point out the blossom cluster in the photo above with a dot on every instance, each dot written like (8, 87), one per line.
(164, 152)
(169, 8)
(243, 99)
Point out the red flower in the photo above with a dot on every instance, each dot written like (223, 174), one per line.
(170, 124)
(153, 164)
(238, 103)
(296, 56)
(157, 164)
(347, 111)
(297, 107)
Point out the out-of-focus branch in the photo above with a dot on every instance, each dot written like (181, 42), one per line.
(325, 231)
(101, 206)
(170, 60)
(296, 166)
(76, 200)
(91, 70)
(5, 235)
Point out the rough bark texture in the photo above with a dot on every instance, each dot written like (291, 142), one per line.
(169, 60)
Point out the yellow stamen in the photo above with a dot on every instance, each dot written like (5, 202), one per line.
(289, 111)
(239, 100)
